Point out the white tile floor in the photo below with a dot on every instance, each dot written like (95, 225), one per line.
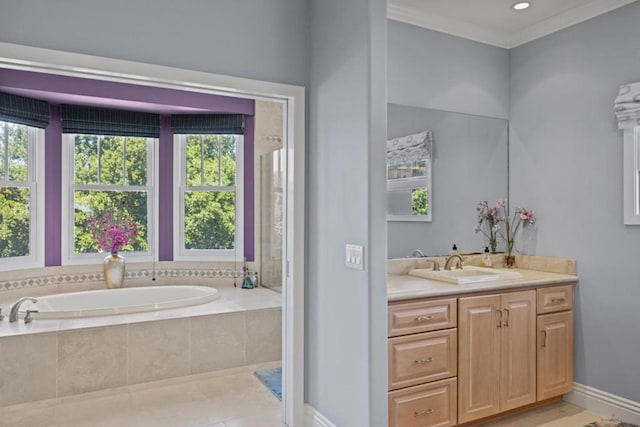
(230, 398)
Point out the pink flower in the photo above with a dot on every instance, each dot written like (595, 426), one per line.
(110, 234)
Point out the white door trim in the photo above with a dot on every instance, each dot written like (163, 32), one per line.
(72, 64)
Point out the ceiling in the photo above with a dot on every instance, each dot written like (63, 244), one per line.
(494, 22)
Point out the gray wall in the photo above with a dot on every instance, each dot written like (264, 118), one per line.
(566, 163)
(469, 165)
(436, 70)
(263, 40)
(346, 309)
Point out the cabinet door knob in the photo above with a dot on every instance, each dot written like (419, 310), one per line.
(499, 325)
(423, 361)
(424, 318)
(423, 413)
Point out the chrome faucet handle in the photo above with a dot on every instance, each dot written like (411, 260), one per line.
(28, 318)
(13, 315)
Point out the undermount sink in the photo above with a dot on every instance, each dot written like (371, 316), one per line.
(468, 274)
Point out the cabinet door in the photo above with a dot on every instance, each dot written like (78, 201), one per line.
(479, 327)
(518, 370)
(555, 354)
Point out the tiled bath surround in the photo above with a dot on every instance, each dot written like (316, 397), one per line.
(48, 359)
(55, 364)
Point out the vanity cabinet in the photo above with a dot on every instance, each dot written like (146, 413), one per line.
(555, 341)
(464, 358)
(497, 353)
(423, 348)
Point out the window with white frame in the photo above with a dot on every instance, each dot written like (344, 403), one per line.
(409, 177)
(208, 194)
(107, 174)
(21, 196)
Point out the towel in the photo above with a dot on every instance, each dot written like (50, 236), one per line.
(627, 106)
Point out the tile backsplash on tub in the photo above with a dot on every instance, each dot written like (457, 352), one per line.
(137, 274)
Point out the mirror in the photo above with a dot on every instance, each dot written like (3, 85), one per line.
(469, 163)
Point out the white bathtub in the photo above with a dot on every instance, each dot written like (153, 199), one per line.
(119, 301)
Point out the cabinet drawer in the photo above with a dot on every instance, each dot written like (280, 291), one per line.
(422, 316)
(421, 358)
(556, 298)
(432, 404)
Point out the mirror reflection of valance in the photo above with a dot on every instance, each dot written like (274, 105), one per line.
(410, 148)
(627, 106)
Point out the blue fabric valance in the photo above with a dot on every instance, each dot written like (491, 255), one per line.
(103, 121)
(24, 111)
(215, 124)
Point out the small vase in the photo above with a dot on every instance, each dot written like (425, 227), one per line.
(510, 261)
(113, 268)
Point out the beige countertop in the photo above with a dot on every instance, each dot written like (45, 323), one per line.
(402, 286)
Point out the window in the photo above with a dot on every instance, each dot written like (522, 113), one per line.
(21, 196)
(112, 173)
(208, 197)
(632, 175)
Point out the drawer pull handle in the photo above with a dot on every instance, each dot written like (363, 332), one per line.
(424, 361)
(506, 318)
(424, 318)
(423, 413)
(499, 325)
(557, 300)
(544, 339)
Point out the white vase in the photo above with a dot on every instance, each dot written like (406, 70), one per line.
(113, 268)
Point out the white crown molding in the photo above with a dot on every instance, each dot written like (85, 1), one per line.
(565, 19)
(601, 402)
(497, 38)
(313, 418)
(447, 25)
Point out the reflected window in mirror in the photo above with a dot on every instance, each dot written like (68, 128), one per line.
(409, 177)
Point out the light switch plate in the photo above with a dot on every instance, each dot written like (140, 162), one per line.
(355, 257)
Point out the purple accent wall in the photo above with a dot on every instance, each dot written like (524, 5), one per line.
(249, 200)
(64, 89)
(165, 190)
(53, 189)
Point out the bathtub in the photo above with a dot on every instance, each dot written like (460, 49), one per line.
(119, 301)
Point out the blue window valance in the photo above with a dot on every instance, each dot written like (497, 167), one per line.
(24, 111)
(208, 124)
(103, 121)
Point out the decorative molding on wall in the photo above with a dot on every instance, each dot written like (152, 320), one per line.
(604, 403)
(42, 280)
(314, 418)
(498, 38)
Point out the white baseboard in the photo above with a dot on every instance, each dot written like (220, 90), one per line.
(313, 418)
(604, 403)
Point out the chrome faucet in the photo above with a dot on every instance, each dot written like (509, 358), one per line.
(417, 253)
(13, 315)
(447, 263)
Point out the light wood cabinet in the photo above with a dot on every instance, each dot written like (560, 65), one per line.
(555, 354)
(461, 359)
(497, 357)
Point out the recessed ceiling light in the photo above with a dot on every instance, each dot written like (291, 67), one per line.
(521, 5)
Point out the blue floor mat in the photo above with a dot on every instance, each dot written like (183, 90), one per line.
(272, 379)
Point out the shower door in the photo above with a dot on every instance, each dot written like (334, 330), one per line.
(271, 212)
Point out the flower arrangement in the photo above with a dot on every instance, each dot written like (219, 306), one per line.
(521, 216)
(112, 233)
(490, 217)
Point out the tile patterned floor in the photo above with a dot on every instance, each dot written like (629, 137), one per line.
(230, 398)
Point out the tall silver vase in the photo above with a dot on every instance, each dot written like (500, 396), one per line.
(113, 268)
